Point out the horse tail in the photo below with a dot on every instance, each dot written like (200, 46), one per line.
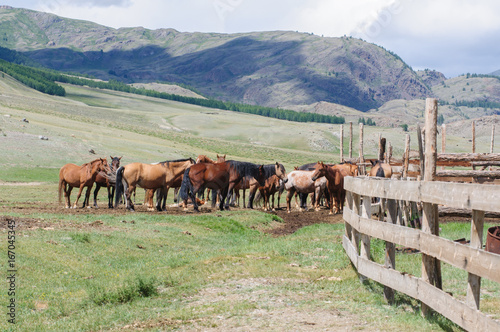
(380, 171)
(61, 187)
(186, 185)
(119, 185)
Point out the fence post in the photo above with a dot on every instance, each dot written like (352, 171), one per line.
(381, 147)
(476, 241)
(390, 248)
(350, 140)
(420, 151)
(361, 154)
(341, 143)
(406, 157)
(492, 138)
(431, 267)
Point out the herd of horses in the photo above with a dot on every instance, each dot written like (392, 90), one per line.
(221, 179)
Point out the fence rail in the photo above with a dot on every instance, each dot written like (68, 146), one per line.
(360, 227)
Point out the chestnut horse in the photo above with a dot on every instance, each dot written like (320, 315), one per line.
(335, 183)
(148, 176)
(103, 180)
(302, 182)
(204, 159)
(220, 176)
(72, 176)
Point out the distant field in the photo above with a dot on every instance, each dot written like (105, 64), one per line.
(148, 130)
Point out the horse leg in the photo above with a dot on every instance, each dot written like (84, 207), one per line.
(273, 202)
(128, 202)
(75, 205)
(111, 195)
(96, 191)
(224, 194)
(289, 196)
(67, 193)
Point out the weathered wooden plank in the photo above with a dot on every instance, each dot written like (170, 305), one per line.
(458, 157)
(484, 197)
(457, 311)
(476, 261)
(469, 173)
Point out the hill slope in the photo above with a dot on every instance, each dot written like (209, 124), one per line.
(266, 68)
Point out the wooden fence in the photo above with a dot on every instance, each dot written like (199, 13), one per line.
(360, 227)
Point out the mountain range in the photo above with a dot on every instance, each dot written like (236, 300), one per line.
(282, 69)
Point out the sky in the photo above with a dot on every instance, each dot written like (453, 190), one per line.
(450, 36)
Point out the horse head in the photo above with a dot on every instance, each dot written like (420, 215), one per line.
(281, 172)
(221, 159)
(115, 163)
(103, 166)
(319, 171)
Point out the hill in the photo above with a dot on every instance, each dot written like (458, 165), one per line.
(278, 68)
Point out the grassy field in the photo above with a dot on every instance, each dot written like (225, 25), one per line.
(100, 270)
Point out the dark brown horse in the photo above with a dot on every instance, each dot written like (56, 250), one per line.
(220, 176)
(148, 176)
(204, 159)
(270, 170)
(74, 176)
(335, 183)
(103, 180)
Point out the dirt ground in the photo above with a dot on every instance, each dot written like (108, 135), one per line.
(291, 221)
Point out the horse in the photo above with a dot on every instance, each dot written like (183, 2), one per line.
(301, 182)
(178, 167)
(380, 169)
(335, 183)
(103, 180)
(72, 176)
(220, 176)
(204, 159)
(148, 176)
(270, 170)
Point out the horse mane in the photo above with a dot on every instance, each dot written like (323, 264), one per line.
(167, 162)
(269, 170)
(244, 168)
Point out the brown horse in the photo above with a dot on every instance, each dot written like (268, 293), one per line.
(301, 182)
(380, 169)
(178, 167)
(335, 183)
(220, 176)
(148, 176)
(72, 176)
(270, 170)
(103, 180)
(204, 159)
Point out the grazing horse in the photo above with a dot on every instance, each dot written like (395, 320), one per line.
(302, 182)
(103, 180)
(72, 176)
(380, 169)
(220, 176)
(335, 183)
(147, 176)
(271, 170)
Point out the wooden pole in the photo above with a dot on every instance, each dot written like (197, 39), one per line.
(492, 139)
(443, 139)
(350, 140)
(381, 147)
(431, 267)
(341, 143)
(361, 155)
(473, 137)
(390, 248)
(406, 157)
(421, 151)
(476, 241)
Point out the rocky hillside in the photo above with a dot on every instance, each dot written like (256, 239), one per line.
(266, 68)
